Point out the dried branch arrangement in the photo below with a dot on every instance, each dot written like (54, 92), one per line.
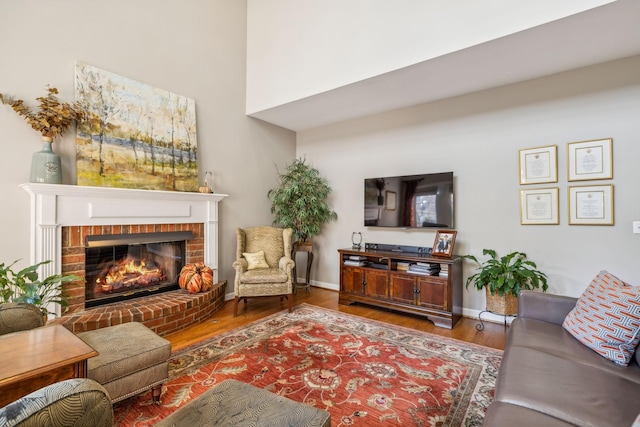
(53, 117)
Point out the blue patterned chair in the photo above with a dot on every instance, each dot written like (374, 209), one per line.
(74, 402)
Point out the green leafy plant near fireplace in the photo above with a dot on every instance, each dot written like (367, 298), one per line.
(25, 287)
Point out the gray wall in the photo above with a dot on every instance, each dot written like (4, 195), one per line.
(478, 136)
(195, 48)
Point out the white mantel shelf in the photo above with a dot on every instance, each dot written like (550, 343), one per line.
(54, 206)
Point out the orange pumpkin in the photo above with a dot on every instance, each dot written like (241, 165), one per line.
(196, 277)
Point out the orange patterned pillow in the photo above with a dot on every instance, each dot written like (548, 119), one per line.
(606, 318)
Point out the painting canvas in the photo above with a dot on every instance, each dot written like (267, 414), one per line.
(135, 135)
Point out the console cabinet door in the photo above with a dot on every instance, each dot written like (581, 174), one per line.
(353, 280)
(432, 292)
(377, 284)
(403, 288)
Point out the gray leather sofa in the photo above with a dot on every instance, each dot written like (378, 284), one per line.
(548, 378)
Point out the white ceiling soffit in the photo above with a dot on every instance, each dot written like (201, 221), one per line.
(598, 35)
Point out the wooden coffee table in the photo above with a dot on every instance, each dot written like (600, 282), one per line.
(32, 359)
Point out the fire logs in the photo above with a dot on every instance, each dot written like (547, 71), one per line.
(130, 274)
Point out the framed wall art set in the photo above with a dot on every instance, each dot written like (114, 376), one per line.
(587, 204)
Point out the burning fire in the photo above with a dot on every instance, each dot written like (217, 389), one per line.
(130, 273)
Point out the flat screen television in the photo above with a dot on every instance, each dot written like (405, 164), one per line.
(411, 201)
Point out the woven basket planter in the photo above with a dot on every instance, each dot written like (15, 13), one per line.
(501, 304)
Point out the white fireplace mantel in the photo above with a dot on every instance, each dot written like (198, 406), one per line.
(54, 206)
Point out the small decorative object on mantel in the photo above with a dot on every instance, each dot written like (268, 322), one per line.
(52, 120)
(208, 183)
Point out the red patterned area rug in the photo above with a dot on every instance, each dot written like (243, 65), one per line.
(363, 372)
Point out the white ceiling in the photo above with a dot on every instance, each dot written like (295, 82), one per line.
(598, 35)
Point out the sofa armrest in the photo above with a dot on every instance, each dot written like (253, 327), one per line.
(78, 401)
(546, 307)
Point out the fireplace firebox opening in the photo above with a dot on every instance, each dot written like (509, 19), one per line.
(124, 266)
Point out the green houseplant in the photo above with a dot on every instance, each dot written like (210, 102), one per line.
(505, 277)
(25, 287)
(299, 200)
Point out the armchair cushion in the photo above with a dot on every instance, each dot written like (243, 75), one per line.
(255, 260)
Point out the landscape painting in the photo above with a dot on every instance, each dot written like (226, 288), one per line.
(134, 135)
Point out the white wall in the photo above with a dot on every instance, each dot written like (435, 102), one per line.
(478, 137)
(195, 48)
(297, 49)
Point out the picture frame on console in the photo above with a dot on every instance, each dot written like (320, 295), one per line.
(444, 242)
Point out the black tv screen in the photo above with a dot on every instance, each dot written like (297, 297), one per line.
(411, 201)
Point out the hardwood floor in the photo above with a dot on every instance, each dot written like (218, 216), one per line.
(494, 335)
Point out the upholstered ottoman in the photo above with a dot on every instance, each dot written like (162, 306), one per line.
(235, 403)
(132, 359)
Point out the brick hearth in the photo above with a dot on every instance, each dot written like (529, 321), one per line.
(163, 313)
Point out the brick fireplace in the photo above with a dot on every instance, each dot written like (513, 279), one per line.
(62, 216)
(73, 250)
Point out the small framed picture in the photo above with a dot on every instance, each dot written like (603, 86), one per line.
(591, 205)
(590, 160)
(391, 201)
(539, 165)
(444, 243)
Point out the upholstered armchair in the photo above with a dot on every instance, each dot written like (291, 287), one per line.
(15, 317)
(74, 402)
(263, 264)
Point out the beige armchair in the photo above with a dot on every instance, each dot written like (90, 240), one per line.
(267, 276)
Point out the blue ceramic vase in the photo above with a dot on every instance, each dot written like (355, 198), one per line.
(45, 164)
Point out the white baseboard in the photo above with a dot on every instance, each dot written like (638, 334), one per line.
(487, 316)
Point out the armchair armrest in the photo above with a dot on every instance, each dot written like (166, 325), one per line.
(78, 401)
(286, 264)
(240, 265)
(546, 307)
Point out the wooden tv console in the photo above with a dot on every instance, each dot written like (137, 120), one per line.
(380, 283)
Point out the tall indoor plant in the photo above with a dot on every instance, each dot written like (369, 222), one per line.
(503, 278)
(25, 287)
(52, 119)
(299, 200)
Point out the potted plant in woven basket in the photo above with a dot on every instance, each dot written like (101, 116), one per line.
(503, 278)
